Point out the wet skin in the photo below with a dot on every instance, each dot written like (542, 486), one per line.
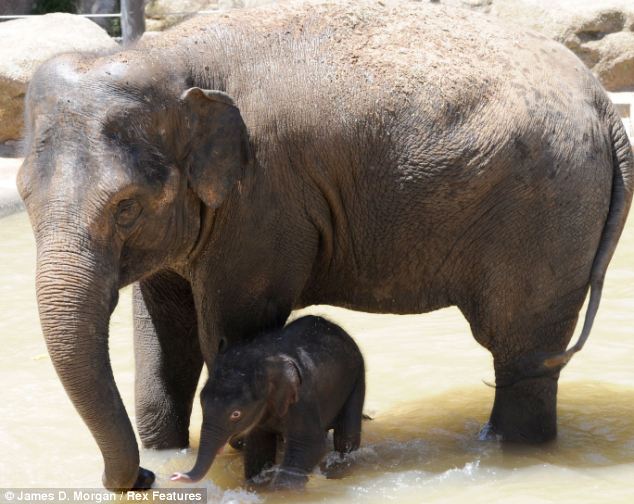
(297, 383)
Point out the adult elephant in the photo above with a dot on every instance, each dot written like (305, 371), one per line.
(383, 158)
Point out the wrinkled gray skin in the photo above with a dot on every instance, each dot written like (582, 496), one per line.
(297, 383)
(244, 165)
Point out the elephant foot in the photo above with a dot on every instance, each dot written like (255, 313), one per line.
(337, 466)
(261, 481)
(144, 480)
(524, 412)
(287, 479)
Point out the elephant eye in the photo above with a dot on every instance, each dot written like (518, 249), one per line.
(128, 210)
(235, 415)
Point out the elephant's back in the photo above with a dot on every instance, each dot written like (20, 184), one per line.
(371, 62)
(391, 47)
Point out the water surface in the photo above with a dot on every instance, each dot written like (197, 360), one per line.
(425, 391)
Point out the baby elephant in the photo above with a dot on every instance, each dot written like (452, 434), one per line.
(297, 382)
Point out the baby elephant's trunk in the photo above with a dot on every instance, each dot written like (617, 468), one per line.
(210, 445)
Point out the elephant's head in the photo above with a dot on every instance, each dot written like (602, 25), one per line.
(123, 158)
(242, 393)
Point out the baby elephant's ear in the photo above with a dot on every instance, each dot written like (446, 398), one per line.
(284, 379)
(215, 143)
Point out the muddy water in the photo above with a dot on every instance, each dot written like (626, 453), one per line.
(425, 391)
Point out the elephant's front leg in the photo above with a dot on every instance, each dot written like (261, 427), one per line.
(259, 453)
(305, 447)
(301, 457)
(168, 359)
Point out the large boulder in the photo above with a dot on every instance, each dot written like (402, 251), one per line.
(24, 44)
(601, 32)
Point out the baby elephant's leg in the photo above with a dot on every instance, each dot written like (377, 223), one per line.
(304, 450)
(259, 453)
(347, 428)
(346, 432)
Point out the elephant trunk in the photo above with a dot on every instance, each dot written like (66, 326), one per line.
(212, 442)
(76, 292)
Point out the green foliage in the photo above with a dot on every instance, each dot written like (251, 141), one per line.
(46, 6)
(111, 25)
(114, 28)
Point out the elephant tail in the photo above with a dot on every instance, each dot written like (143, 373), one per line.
(622, 187)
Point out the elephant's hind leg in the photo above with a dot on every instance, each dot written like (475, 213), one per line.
(168, 359)
(525, 406)
(347, 429)
(525, 412)
(347, 432)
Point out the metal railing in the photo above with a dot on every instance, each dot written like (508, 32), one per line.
(126, 35)
(19, 16)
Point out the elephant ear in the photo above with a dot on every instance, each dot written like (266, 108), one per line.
(284, 379)
(217, 152)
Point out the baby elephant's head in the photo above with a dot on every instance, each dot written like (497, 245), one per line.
(243, 392)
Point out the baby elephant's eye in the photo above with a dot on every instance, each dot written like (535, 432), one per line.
(236, 415)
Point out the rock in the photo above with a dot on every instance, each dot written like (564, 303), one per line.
(600, 33)
(615, 65)
(476, 5)
(24, 44)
